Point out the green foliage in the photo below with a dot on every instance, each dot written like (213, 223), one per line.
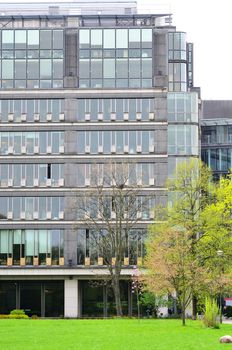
(152, 302)
(3, 317)
(17, 317)
(216, 228)
(18, 314)
(34, 317)
(211, 317)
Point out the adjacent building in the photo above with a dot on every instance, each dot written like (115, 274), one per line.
(216, 136)
(78, 89)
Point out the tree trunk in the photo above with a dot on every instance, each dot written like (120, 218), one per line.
(183, 317)
(183, 313)
(117, 295)
(194, 307)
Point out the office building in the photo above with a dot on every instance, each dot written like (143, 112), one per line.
(216, 136)
(79, 90)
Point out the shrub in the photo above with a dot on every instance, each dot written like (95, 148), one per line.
(3, 317)
(17, 312)
(18, 317)
(34, 317)
(211, 316)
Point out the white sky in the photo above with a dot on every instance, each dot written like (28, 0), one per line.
(208, 24)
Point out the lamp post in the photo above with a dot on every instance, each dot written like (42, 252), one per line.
(220, 255)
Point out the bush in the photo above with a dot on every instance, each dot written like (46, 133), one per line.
(18, 317)
(212, 312)
(34, 317)
(3, 317)
(17, 314)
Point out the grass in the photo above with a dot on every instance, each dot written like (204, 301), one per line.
(114, 334)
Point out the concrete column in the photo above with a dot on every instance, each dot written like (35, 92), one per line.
(71, 298)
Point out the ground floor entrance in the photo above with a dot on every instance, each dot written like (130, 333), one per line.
(97, 299)
(44, 299)
(69, 298)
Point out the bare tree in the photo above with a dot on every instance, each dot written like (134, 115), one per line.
(111, 207)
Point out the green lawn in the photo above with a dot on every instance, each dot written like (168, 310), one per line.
(109, 335)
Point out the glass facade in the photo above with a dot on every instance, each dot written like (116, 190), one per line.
(88, 247)
(120, 58)
(31, 247)
(118, 142)
(183, 127)
(183, 107)
(98, 299)
(218, 159)
(177, 61)
(183, 140)
(41, 298)
(141, 207)
(33, 110)
(216, 134)
(119, 109)
(31, 175)
(32, 208)
(31, 58)
(216, 147)
(32, 142)
(137, 173)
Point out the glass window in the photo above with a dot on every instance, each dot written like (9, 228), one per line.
(81, 142)
(7, 39)
(109, 68)
(119, 142)
(84, 38)
(45, 69)
(20, 39)
(7, 69)
(121, 38)
(109, 38)
(20, 69)
(122, 68)
(45, 39)
(84, 68)
(134, 38)
(134, 68)
(57, 69)
(147, 38)
(107, 142)
(146, 67)
(33, 39)
(33, 69)
(96, 38)
(132, 141)
(96, 68)
(94, 142)
(57, 39)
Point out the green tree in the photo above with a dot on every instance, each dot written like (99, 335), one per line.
(189, 193)
(171, 266)
(215, 248)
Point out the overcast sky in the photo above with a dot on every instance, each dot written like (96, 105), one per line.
(208, 25)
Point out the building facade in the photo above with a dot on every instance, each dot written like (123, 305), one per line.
(77, 92)
(216, 136)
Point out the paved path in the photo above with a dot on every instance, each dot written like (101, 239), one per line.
(227, 321)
